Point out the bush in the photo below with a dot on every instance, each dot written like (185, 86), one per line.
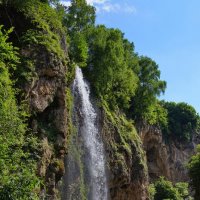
(17, 170)
(194, 172)
(165, 190)
(183, 120)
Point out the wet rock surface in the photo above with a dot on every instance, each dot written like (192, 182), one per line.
(126, 164)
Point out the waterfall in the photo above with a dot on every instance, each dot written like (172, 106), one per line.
(87, 170)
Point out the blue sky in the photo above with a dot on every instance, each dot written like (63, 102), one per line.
(168, 32)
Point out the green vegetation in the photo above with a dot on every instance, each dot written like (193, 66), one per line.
(78, 188)
(113, 77)
(163, 189)
(79, 17)
(124, 141)
(183, 189)
(18, 178)
(194, 172)
(144, 103)
(116, 73)
(48, 30)
(42, 31)
(183, 121)
(126, 129)
(126, 84)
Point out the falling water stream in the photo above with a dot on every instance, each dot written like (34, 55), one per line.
(86, 161)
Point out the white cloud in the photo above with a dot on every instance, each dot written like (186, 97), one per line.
(92, 2)
(116, 8)
(65, 3)
(107, 6)
(111, 7)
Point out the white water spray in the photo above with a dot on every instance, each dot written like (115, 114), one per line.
(90, 142)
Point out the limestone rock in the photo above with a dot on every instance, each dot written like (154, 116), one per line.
(166, 158)
(126, 164)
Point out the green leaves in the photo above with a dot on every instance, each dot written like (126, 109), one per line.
(108, 66)
(17, 171)
(144, 104)
(163, 189)
(182, 120)
(194, 172)
(8, 53)
(79, 49)
(79, 16)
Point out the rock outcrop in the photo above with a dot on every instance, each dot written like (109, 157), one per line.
(41, 77)
(126, 160)
(47, 100)
(166, 158)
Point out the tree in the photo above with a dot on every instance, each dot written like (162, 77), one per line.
(130, 57)
(194, 172)
(110, 67)
(78, 18)
(150, 86)
(79, 49)
(183, 120)
(157, 115)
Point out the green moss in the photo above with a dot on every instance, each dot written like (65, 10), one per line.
(118, 120)
(127, 137)
(49, 40)
(70, 73)
(152, 191)
(58, 165)
(77, 156)
(48, 130)
(69, 106)
(73, 149)
(26, 71)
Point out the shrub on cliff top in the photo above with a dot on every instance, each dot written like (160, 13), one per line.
(183, 120)
(44, 25)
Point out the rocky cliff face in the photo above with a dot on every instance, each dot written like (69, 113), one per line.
(47, 100)
(41, 78)
(126, 161)
(167, 159)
